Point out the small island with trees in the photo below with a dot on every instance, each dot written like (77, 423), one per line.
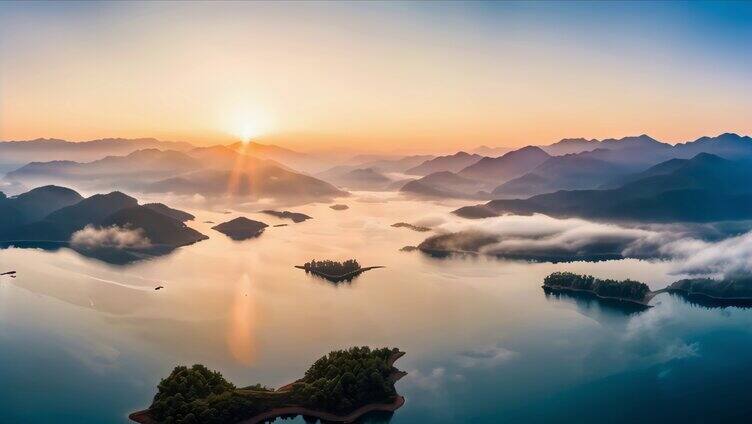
(417, 228)
(627, 291)
(335, 271)
(294, 216)
(339, 207)
(339, 387)
(241, 228)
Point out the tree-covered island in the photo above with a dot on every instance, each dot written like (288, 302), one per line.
(335, 271)
(624, 291)
(338, 387)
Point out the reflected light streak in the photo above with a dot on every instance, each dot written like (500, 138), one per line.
(242, 323)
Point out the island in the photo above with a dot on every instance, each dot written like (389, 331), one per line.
(462, 243)
(335, 271)
(111, 227)
(294, 216)
(339, 207)
(417, 228)
(241, 228)
(711, 292)
(339, 387)
(627, 291)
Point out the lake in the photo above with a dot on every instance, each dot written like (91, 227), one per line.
(83, 341)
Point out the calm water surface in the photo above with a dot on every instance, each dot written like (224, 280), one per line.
(82, 341)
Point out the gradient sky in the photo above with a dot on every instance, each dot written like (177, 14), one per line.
(375, 76)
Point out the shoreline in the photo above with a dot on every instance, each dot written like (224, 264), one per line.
(338, 278)
(690, 294)
(327, 416)
(644, 303)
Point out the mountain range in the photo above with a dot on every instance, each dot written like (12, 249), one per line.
(445, 184)
(451, 163)
(478, 178)
(701, 189)
(581, 165)
(49, 149)
(261, 170)
(208, 171)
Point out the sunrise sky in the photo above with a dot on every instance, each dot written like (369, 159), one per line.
(375, 76)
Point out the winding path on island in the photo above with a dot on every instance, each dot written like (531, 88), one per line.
(645, 302)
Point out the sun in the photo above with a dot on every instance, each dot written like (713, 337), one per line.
(248, 131)
(246, 123)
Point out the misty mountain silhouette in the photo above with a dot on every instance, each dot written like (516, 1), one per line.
(144, 164)
(445, 184)
(569, 172)
(611, 162)
(48, 149)
(704, 188)
(289, 158)
(155, 223)
(451, 163)
(507, 166)
(580, 145)
(209, 171)
(345, 175)
(357, 179)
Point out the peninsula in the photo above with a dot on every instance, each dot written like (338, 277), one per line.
(335, 271)
(729, 291)
(339, 387)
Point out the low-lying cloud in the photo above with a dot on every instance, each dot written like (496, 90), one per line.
(731, 257)
(696, 249)
(486, 357)
(109, 237)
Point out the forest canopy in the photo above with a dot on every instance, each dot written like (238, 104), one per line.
(625, 289)
(332, 267)
(339, 382)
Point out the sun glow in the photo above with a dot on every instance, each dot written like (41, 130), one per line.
(247, 124)
(247, 132)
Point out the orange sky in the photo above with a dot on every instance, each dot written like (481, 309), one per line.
(367, 76)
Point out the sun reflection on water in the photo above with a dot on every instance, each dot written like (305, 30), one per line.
(243, 319)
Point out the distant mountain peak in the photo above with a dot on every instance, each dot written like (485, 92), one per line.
(528, 149)
(728, 136)
(452, 163)
(705, 157)
(574, 140)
